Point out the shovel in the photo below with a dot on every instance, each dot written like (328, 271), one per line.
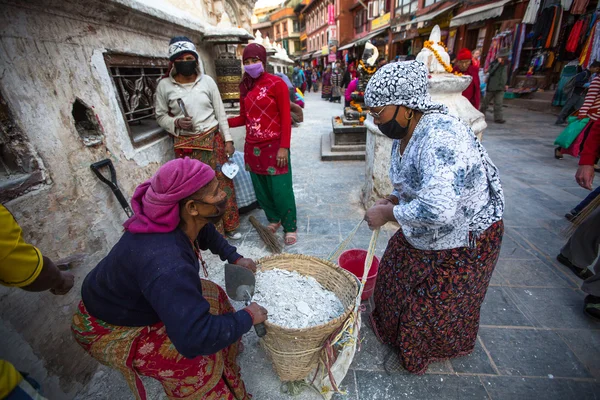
(239, 285)
(112, 183)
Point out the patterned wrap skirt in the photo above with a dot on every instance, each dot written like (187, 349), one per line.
(427, 302)
(148, 351)
(209, 148)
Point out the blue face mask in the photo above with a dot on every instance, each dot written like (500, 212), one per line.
(393, 129)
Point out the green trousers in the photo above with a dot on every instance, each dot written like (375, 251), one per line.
(275, 196)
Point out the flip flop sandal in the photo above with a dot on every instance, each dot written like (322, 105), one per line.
(290, 238)
(580, 272)
(591, 306)
(273, 227)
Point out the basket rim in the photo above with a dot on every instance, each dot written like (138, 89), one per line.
(347, 311)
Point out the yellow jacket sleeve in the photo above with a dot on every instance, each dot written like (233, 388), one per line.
(9, 378)
(20, 262)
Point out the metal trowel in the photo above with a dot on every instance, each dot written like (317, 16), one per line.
(239, 285)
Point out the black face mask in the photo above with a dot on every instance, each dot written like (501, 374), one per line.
(186, 68)
(393, 129)
(221, 207)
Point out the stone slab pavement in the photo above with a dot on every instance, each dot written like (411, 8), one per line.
(534, 340)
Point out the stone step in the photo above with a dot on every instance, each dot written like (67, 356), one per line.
(345, 147)
(328, 155)
(534, 104)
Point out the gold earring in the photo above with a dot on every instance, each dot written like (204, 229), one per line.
(412, 114)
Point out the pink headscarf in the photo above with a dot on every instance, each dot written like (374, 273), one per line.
(155, 203)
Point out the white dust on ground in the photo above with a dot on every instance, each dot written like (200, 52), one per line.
(295, 301)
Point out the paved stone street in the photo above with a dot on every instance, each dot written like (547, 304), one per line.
(534, 341)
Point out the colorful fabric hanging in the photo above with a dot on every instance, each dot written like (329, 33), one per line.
(579, 6)
(518, 47)
(531, 12)
(574, 37)
(566, 4)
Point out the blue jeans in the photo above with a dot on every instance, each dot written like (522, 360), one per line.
(590, 197)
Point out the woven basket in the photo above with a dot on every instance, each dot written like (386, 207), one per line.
(295, 352)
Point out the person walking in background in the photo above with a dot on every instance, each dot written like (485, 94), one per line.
(336, 83)
(464, 65)
(578, 86)
(315, 80)
(475, 61)
(580, 253)
(308, 75)
(298, 78)
(23, 266)
(326, 86)
(200, 131)
(496, 86)
(265, 111)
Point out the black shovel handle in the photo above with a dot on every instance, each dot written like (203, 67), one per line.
(112, 183)
(260, 329)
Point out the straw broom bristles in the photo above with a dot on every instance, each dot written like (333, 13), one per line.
(266, 235)
(582, 216)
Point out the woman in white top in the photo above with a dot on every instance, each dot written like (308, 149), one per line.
(448, 201)
(201, 131)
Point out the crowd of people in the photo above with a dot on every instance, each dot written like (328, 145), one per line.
(144, 309)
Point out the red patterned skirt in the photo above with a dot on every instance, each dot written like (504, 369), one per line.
(148, 351)
(427, 302)
(216, 158)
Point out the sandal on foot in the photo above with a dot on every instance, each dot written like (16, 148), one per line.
(582, 273)
(591, 306)
(290, 238)
(274, 226)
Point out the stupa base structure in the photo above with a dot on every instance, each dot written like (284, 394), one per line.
(345, 142)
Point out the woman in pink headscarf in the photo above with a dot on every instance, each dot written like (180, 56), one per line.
(145, 310)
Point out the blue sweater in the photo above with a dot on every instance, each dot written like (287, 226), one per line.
(152, 277)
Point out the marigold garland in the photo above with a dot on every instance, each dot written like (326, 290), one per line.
(370, 70)
(356, 105)
(429, 45)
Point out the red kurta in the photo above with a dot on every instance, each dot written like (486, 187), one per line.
(265, 111)
(591, 147)
(473, 92)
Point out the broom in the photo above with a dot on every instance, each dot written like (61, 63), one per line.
(266, 235)
(582, 216)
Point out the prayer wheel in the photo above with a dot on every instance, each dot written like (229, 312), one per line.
(229, 77)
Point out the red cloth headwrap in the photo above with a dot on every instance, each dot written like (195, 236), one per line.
(251, 51)
(464, 54)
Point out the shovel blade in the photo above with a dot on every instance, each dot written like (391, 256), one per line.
(239, 282)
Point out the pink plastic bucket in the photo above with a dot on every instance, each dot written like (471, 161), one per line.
(353, 261)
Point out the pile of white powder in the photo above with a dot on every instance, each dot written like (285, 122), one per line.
(294, 300)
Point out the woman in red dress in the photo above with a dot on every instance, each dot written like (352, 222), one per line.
(265, 111)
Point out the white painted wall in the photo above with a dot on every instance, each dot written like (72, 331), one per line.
(47, 59)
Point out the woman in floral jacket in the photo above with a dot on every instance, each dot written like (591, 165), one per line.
(448, 201)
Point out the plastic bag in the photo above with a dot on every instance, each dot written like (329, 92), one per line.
(570, 133)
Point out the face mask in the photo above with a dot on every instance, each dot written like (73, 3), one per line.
(186, 68)
(393, 129)
(254, 70)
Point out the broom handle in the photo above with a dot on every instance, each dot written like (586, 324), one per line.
(342, 246)
(368, 261)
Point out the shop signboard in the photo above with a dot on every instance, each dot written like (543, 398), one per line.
(324, 50)
(331, 58)
(330, 14)
(380, 22)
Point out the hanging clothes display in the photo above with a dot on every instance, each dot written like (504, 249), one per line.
(566, 4)
(543, 32)
(500, 41)
(595, 47)
(518, 46)
(586, 53)
(575, 36)
(579, 6)
(531, 12)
